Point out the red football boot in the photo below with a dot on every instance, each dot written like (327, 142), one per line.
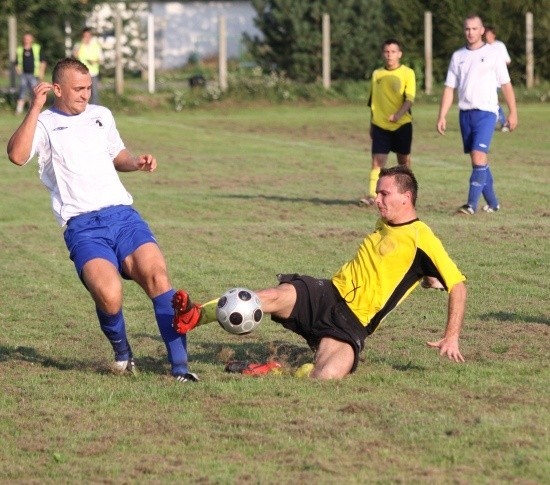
(186, 313)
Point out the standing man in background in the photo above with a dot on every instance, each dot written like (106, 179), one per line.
(88, 51)
(393, 89)
(476, 72)
(30, 65)
(491, 38)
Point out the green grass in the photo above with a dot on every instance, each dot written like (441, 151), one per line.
(240, 195)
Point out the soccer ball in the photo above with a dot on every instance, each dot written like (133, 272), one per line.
(239, 311)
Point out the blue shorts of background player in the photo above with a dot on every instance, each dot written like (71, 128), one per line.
(113, 234)
(477, 129)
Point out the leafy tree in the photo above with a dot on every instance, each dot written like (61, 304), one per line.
(292, 37)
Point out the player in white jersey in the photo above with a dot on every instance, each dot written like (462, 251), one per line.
(79, 153)
(476, 70)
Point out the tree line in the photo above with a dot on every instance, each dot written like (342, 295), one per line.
(291, 32)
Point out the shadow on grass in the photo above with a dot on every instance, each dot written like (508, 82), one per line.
(206, 353)
(283, 352)
(515, 318)
(29, 354)
(311, 200)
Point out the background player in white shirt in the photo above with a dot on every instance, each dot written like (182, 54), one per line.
(476, 72)
(79, 153)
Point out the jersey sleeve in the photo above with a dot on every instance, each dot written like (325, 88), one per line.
(437, 262)
(40, 141)
(451, 81)
(410, 86)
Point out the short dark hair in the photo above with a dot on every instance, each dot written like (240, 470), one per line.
(474, 15)
(490, 28)
(87, 29)
(404, 179)
(65, 65)
(390, 42)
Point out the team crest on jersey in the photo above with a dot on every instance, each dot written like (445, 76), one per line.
(98, 122)
(59, 128)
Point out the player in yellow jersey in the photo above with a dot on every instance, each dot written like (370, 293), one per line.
(393, 89)
(336, 316)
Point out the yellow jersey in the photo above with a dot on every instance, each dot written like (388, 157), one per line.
(389, 264)
(389, 90)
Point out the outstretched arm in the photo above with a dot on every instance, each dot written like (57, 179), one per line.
(126, 162)
(448, 345)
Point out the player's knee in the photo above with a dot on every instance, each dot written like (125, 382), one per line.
(278, 301)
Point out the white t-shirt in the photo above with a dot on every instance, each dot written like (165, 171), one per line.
(477, 74)
(502, 50)
(75, 159)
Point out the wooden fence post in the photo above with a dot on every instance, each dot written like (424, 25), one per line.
(222, 53)
(151, 52)
(428, 52)
(12, 48)
(529, 57)
(119, 69)
(326, 51)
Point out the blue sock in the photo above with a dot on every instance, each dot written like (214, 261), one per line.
(489, 190)
(477, 183)
(501, 116)
(114, 328)
(176, 344)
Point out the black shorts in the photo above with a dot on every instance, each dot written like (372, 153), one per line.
(320, 312)
(386, 141)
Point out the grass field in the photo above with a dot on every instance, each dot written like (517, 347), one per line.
(240, 195)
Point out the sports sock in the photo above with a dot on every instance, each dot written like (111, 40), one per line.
(501, 116)
(477, 183)
(374, 174)
(176, 344)
(489, 190)
(114, 328)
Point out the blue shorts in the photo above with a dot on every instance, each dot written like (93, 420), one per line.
(397, 141)
(477, 128)
(27, 82)
(112, 233)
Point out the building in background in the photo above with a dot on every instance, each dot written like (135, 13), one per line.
(184, 31)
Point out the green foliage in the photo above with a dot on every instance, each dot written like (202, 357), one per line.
(291, 30)
(292, 37)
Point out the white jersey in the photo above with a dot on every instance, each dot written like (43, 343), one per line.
(477, 74)
(75, 159)
(502, 50)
